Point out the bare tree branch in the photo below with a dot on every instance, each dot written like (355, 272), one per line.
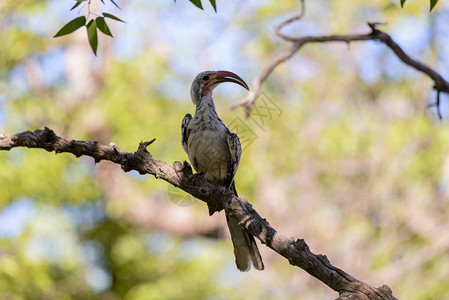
(180, 175)
(440, 84)
(299, 16)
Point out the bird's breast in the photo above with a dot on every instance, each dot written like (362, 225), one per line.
(209, 150)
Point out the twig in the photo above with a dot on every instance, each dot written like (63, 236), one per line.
(437, 104)
(298, 17)
(440, 84)
(217, 198)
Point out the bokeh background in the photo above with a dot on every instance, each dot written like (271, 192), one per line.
(345, 153)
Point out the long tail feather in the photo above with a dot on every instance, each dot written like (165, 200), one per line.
(245, 247)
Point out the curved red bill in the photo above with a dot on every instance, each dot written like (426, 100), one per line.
(226, 76)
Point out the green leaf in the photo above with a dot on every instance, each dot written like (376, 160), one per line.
(402, 3)
(71, 26)
(106, 15)
(432, 4)
(92, 35)
(113, 2)
(197, 3)
(101, 24)
(76, 4)
(214, 5)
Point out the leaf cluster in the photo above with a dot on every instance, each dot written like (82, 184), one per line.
(99, 23)
(198, 4)
(91, 26)
(432, 3)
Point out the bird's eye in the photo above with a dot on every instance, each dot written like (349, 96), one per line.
(205, 77)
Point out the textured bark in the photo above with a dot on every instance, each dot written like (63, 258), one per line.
(180, 175)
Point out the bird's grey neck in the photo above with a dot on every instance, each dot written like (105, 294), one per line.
(206, 115)
(206, 103)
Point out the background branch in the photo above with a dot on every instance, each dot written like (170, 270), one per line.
(180, 175)
(440, 84)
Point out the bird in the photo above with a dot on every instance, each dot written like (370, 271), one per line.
(215, 152)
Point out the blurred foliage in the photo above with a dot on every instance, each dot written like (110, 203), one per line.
(349, 157)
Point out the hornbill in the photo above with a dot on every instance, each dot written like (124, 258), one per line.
(215, 153)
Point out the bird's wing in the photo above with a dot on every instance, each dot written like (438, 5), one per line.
(185, 132)
(236, 152)
(245, 247)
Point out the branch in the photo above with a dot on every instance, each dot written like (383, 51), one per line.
(440, 84)
(217, 198)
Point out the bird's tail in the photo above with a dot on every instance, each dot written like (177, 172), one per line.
(245, 247)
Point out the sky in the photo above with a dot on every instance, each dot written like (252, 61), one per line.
(214, 42)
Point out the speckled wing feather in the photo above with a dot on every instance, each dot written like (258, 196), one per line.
(185, 132)
(245, 247)
(236, 152)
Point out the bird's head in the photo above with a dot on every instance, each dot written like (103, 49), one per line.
(205, 82)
